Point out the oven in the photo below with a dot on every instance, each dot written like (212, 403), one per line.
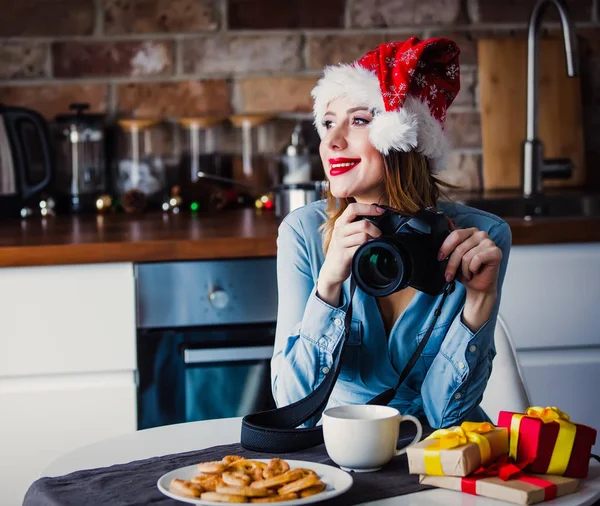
(205, 335)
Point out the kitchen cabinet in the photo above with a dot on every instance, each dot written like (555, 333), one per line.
(67, 365)
(568, 379)
(550, 303)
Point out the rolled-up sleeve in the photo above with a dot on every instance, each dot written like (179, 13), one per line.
(458, 375)
(308, 329)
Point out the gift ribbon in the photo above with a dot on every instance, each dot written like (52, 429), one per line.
(468, 432)
(506, 470)
(550, 489)
(564, 441)
(502, 468)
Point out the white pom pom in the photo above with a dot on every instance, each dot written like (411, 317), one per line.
(394, 130)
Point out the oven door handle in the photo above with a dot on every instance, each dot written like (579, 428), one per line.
(242, 354)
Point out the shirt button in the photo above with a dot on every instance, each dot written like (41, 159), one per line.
(472, 348)
(457, 395)
(461, 365)
(323, 342)
(337, 322)
(325, 370)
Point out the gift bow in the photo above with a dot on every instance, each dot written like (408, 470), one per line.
(507, 470)
(502, 467)
(561, 453)
(468, 432)
(548, 414)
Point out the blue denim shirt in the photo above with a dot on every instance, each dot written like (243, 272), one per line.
(447, 382)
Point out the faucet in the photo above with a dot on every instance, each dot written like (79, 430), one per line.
(534, 165)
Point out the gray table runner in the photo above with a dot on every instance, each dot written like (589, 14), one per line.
(134, 483)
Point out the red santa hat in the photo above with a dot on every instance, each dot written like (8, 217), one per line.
(408, 86)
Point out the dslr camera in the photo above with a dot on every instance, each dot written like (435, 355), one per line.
(404, 255)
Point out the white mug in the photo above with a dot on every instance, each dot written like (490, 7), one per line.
(363, 437)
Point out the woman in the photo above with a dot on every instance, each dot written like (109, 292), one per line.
(381, 126)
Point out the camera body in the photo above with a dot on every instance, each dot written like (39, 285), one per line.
(404, 255)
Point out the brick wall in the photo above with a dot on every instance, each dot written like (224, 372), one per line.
(170, 58)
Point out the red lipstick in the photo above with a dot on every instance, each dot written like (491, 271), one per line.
(340, 166)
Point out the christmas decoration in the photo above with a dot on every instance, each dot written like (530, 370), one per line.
(458, 451)
(408, 86)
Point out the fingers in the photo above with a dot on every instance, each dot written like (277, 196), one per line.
(355, 209)
(487, 256)
(461, 241)
(362, 226)
(464, 270)
(473, 249)
(347, 236)
(355, 240)
(351, 251)
(453, 240)
(471, 261)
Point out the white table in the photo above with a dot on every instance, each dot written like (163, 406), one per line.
(198, 435)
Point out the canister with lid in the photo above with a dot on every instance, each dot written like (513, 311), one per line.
(141, 177)
(254, 159)
(202, 154)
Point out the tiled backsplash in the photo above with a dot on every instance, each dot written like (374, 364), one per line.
(171, 58)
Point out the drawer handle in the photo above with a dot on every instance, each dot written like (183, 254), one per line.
(241, 354)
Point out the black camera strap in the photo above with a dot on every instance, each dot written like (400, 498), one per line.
(275, 430)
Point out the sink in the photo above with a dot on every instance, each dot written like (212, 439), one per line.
(551, 206)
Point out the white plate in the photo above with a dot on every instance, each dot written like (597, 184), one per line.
(337, 482)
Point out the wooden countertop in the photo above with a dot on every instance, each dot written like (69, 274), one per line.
(60, 240)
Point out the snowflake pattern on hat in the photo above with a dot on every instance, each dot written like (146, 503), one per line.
(437, 77)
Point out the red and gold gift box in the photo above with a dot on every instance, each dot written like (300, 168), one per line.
(549, 441)
(458, 451)
(527, 489)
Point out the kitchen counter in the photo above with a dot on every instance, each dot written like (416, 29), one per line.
(64, 240)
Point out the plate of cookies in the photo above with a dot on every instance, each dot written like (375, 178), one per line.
(235, 479)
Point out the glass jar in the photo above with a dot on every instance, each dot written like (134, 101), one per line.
(202, 156)
(141, 175)
(254, 161)
(81, 157)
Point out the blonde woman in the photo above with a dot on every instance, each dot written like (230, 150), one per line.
(382, 142)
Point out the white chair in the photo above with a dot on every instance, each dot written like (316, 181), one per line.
(506, 389)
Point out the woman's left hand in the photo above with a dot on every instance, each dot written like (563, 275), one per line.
(474, 260)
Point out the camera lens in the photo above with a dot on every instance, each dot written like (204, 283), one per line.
(379, 267)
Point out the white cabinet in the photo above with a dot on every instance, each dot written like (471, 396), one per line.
(550, 302)
(67, 365)
(568, 379)
(67, 319)
(45, 417)
(551, 294)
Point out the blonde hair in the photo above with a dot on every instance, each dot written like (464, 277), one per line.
(408, 185)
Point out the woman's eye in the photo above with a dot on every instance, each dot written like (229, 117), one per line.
(360, 121)
(327, 124)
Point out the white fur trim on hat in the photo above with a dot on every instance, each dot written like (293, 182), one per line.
(411, 127)
(352, 81)
(431, 138)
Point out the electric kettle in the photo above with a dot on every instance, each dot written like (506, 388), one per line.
(26, 160)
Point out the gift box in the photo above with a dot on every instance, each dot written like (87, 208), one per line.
(457, 451)
(548, 441)
(521, 489)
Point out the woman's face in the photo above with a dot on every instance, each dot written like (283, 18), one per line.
(352, 165)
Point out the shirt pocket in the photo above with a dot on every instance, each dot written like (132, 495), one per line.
(349, 365)
(432, 348)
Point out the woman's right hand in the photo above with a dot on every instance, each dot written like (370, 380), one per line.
(346, 238)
